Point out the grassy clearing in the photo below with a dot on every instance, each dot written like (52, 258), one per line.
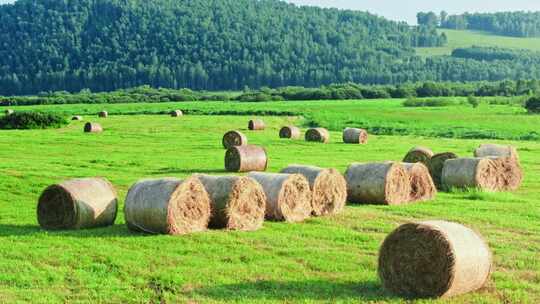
(462, 39)
(322, 260)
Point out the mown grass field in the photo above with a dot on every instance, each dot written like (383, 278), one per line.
(330, 259)
(461, 39)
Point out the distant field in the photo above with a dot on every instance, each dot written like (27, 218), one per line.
(323, 260)
(459, 39)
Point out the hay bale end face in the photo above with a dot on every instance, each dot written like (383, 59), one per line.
(355, 136)
(436, 165)
(77, 117)
(256, 125)
(238, 203)
(434, 259)
(479, 173)
(77, 204)
(103, 114)
(167, 206)
(92, 127)
(328, 187)
(487, 150)
(419, 155)
(288, 196)
(318, 135)
(422, 186)
(176, 113)
(233, 139)
(510, 174)
(290, 132)
(246, 158)
(377, 183)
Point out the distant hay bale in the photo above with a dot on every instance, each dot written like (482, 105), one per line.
(77, 204)
(328, 187)
(291, 132)
(176, 113)
(77, 117)
(9, 112)
(419, 155)
(167, 206)
(510, 174)
(233, 139)
(238, 203)
(487, 150)
(436, 165)
(288, 196)
(355, 136)
(480, 173)
(92, 127)
(434, 259)
(318, 135)
(256, 125)
(422, 186)
(246, 158)
(103, 114)
(377, 183)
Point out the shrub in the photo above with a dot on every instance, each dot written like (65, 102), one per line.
(533, 105)
(473, 101)
(32, 120)
(413, 102)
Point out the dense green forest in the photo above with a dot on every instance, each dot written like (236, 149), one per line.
(105, 45)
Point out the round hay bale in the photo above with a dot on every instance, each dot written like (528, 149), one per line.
(238, 203)
(167, 206)
(176, 113)
(487, 150)
(77, 117)
(436, 165)
(9, 111)
(355, 136)
(318, 135)
(434, 259)
(377, 183)
(328, 187)
(92, 127)
(291, 132)
(256, 125)
(418, 155)
(246, 158)
(103, 114)
(288, 196)
(510, 174)
(77, 204)
(422, 186)
(233, 139)
(481, 173)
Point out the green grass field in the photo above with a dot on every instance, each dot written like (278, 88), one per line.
(462, 39)
(331, 259)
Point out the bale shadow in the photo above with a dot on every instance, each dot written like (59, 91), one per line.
(188, 171)
(113, 231)
(298, 291)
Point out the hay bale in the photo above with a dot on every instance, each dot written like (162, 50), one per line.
(422, 186)
(176, 113)
(436, 165)
(256, 125)
(418, 155)
(288, 196)
(328, 187)
(487, 150)
(481, 173)
(379, 183)
(103, 114)
(291, 132)
(238, 203)
(355, 136)
(167, 206)
(318, 135)
(246, 158)
(77, 117)
(510, 174)
(77, 204)
(92, 127)
(9, 112)
(234, 138)
(434, 259)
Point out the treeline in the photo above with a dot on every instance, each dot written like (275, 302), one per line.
(105, 45)
(146, 94)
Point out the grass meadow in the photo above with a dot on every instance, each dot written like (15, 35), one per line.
(329, 259)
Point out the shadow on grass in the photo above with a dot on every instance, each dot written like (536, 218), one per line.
(298, 291)
(188, 171)
(104, 232)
